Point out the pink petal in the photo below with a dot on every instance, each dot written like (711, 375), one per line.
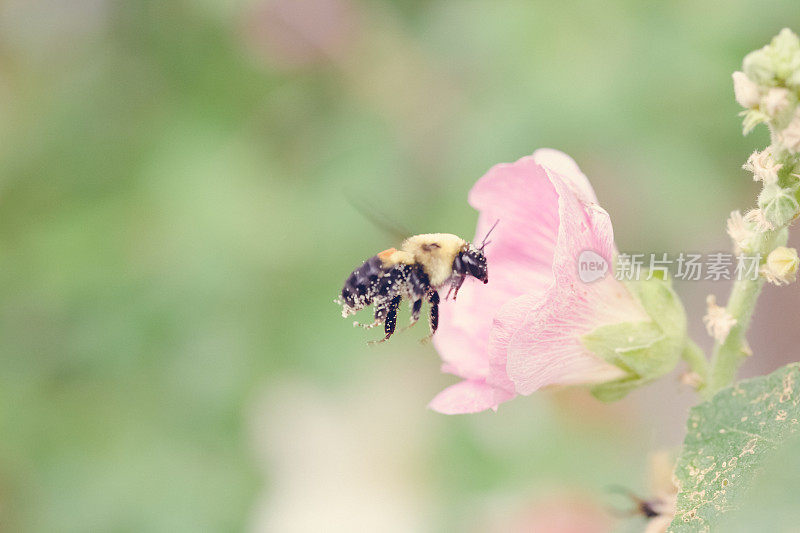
(541, 333)
(521, 196)
(462, 339)
(520, 256)
(563, 165)
(469, 397)
(545, 348)
(584, 226)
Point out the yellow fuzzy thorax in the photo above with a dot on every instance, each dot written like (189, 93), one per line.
(435, 252)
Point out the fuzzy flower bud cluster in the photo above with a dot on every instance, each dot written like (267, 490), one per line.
(768, 87)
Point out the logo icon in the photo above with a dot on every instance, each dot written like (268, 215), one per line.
(591, 266)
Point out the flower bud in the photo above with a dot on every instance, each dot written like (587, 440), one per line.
(776, 63)
(776, 101)
(781, 266)
(778, 205)
(758, 220)
(785, 52)
(758, 67)
(718, 320)
(763, 166)
(789, 137)
(741, 233)
(746, 92)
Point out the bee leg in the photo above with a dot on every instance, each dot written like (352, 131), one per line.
(433, 298)
(455, 284)
(416, 309)
(391, 319)
(380, 316)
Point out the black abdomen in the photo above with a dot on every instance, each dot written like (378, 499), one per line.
(372, 279)
(360, 287)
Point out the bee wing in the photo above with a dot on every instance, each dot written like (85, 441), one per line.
(393, 228)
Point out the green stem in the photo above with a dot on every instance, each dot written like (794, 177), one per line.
(729, 355)
(697, 361)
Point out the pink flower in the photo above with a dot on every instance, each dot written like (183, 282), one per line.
(522, 331)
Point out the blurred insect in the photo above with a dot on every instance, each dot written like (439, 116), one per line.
(658, 509)
(422, 266)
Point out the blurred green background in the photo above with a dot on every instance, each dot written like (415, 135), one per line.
(175, 224)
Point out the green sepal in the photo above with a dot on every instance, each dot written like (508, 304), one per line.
(752, 118)
(662, 304)
(778, 204)
(612, 391)
(645, 350)
(627, 345)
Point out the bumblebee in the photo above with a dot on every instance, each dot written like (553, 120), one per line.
(422, 266)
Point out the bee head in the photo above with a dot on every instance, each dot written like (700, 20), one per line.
(472, 262)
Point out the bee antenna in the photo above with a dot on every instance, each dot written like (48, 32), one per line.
(485, 242)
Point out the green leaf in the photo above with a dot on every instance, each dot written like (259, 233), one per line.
(728, 439)
(771, 502)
